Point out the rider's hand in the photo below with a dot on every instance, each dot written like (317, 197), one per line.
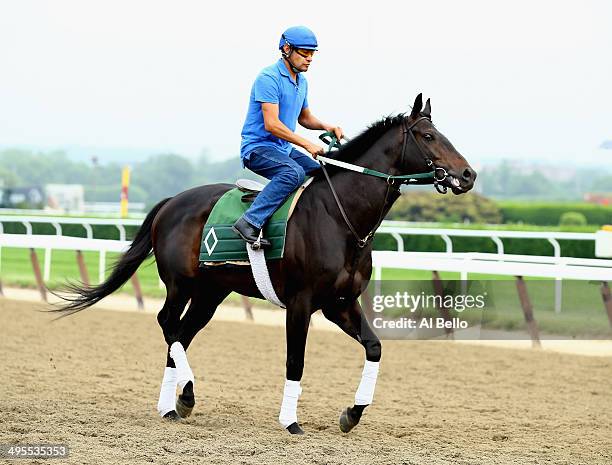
(315, 150)
(338, 132)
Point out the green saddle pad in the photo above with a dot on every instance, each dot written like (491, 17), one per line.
(221, 244)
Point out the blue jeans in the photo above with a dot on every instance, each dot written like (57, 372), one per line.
(285, 172)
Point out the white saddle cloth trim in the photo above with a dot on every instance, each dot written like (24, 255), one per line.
(261, 275)
(257, 258)
(288, 411)
(365, 391)
(167, 394)
(183, 370)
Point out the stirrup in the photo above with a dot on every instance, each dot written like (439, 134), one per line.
(257, 244)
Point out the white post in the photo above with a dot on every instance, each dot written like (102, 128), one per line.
(121, 231)
(28, 227)
(499, 244)
(58, 229)
(449, 243)
(558, 281)
(400, 241)
(88, 230)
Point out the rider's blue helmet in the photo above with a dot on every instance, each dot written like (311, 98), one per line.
(299, 37)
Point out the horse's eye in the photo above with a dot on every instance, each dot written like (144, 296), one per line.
(428, 136)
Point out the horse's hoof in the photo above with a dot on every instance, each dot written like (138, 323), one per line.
(172, 416)
(347, 421)
(184, 408)
(185, 401)
(294, 428)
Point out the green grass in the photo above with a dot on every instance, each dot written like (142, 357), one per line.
(582, 312)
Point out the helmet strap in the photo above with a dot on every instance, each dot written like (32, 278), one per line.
(286, 57)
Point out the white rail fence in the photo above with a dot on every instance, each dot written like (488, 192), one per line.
(61, 242)
(556, 266)
(58, 222)
(398, 229)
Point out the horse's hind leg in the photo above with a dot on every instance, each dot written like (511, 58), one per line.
(352, 321)
(201, 310)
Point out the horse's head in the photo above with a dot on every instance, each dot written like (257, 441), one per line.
(426, 149)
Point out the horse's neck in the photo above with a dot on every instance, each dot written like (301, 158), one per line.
(365, 197)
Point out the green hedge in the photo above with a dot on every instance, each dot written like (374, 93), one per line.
(99, 231)
(418, 205)
(583, 249)
(549, 213)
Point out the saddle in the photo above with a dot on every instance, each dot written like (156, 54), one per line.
(250, 188)
(220, 245)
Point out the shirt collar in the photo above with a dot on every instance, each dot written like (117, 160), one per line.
(280, 64)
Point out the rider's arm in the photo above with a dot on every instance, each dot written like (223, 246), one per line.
(275, 126)
(310, 121)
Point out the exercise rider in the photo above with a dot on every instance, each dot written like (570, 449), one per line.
(278, 101)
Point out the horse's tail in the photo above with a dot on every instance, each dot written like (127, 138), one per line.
(140, 249)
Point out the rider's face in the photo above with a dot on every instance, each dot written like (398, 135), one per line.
(301, 58)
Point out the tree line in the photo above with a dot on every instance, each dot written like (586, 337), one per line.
(165, 175)
(157, 177)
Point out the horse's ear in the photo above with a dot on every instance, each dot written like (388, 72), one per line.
(417, 106)
(427, 109)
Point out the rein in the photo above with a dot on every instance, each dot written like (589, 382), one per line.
(437, 175)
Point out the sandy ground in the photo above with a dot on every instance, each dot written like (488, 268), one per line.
(92, 381)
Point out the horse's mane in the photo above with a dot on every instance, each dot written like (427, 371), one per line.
(351, 150)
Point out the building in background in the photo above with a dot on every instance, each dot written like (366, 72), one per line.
(31, 197)
(68, 198)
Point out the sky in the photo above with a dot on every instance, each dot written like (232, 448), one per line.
(526, 80)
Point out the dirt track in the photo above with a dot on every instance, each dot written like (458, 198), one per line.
(92, 382)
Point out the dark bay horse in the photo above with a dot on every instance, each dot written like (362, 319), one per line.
(325, 265)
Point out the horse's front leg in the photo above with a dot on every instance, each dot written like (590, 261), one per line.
(297, 322)
(351, 319)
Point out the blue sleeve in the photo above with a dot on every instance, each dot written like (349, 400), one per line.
(266, 89)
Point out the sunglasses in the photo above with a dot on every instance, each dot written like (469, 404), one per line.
(304, 52)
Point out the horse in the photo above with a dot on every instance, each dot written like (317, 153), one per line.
(326, 265)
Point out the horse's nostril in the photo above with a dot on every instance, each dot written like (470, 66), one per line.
(467, 174)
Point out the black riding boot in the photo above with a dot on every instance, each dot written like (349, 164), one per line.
(250, 233)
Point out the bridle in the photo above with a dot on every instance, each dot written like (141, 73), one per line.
(436, 175)
(439, 174)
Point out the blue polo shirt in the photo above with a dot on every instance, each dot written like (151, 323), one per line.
(273, 85)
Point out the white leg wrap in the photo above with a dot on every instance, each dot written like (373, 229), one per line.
(167, 394)
(365, 391)
(288, 412)
(183, 370)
